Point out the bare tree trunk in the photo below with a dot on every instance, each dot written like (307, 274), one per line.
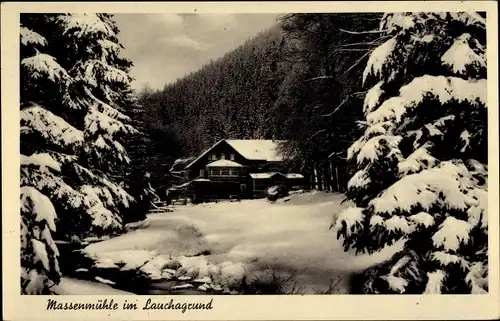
(311, 178)
(328, 181)
(317, 183)
(338, 179)
(344, 177)
(319, 179)
(330, 173)
(315, 177)
(335, 177)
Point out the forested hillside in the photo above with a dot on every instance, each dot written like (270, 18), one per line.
(298, 81)
(230, 97)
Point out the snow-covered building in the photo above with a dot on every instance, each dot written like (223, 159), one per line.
(240, 169)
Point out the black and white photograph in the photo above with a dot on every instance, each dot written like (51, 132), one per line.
(254, 154)
(267, 153)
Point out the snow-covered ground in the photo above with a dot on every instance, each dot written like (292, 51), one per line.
(249, 236)
(80, 287)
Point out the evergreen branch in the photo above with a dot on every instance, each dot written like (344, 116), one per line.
(374, 42)
(356, 63)
(318, 132)
(320, 77)
(334, 154)
(363, 32)
(353, 49)
(343, 102)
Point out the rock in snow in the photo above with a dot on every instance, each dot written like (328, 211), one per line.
(105, 281)
(232, 274)
(166, 275)
(203, 287)
(169, 271)
(105, 263)
(204, 279)
(196, 266)
(82, 270)
(153, 268)
(172, 265)
(182, 287)
(216, 288)
(265, 277)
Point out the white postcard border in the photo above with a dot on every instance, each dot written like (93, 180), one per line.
(337, 307)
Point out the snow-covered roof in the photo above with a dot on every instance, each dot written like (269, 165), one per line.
(294, 175)
(202, 180)
(263, 175)
(224, 163)
(252, 149)
(256, 149)
(271, 174)
(180, 163)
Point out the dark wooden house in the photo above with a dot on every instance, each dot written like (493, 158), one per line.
(238, 169)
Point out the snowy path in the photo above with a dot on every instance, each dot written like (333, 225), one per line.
(288, 237)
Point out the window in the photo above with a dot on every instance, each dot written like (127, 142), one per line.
(213, 157)
(231, 157)
(233, 172)
(222, 156)
(202, 173)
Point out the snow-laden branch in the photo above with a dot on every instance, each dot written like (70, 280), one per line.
(41, 159)
(55, 129)
(30, 37)
(97, 121)
(83, 25)
(43, 65)
(36, 203)
(443, 89)
(379, 58)
(460, 57)
(444, 186)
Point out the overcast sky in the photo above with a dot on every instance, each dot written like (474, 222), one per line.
(165, 47)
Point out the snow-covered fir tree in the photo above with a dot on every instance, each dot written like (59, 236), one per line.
(422, 161)
(74, 88)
